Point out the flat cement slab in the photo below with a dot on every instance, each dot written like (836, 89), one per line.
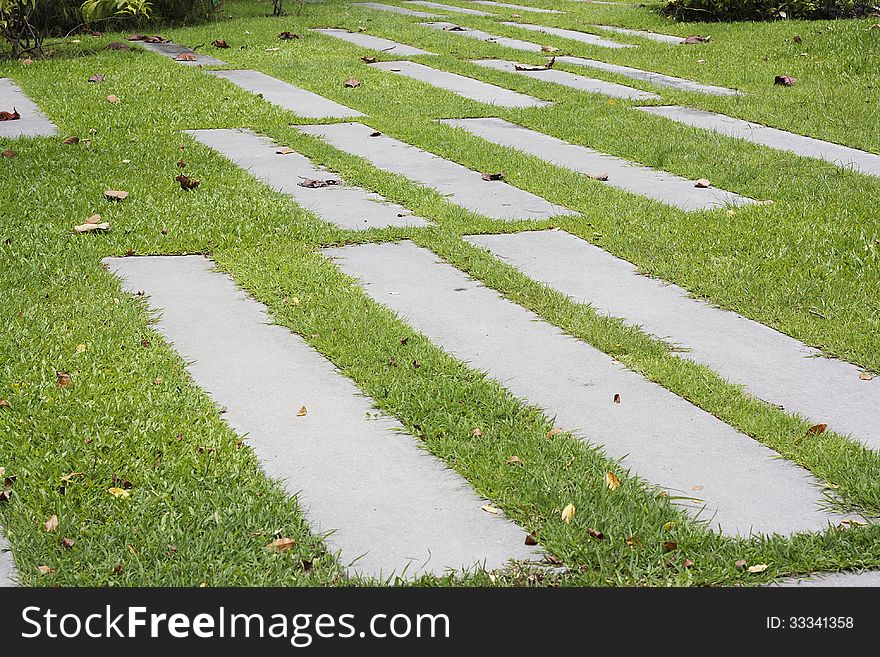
(7, 563)
(866, 578)
(441, 7)
(394, 9)
(484, 36)
(299, 101)
(392, 507)
(653, 36)
(172, 50)
(647, 76)
(842, 156)
(460, 185)
(482, 92)
(507, 5)
(33, 123)
(768, 364)
(346, 206)
(374, 43)
(623, 174)
(571, 80)
(746, 487)
(574, 35)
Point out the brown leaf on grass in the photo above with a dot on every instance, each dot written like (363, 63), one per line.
(172, 549)
(314, 184)
(669, 546)
(543, 67)
(302, 412)
(8, 153)
(63, 378)
(287, 36)
(740, 564)
(514, 460)
(688, 563)
(612, 481)
(10, 116)
(73, 139)
(4, 403)
(595, 533)
(758, 568)
(90, 228)
(531, 539)
(45, 570)
(351, 83)
(568, 513)
(476, 433)
(784, 80)
(219, 43)
(120, 482)
(549, 49)
(186, 57)
(493, 176)
(115, 45)
(67, 543)
(797, 38)
(119, 492)
(115, 195)
(368, 60)
(51, 524)
(816, 429)
(27, 61)
(281, 545)
(703, 183)
(181, 163)
(66, 479)
(616, 398)
(97, 77)
(696, 38)
(114, 100)
(94, 219)
(631, 541)
(553, 432)
(187, 183)
(155, 38)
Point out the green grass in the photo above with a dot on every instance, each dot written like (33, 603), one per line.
(807, 265)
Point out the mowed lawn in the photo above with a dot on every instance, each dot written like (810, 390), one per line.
(198, 508)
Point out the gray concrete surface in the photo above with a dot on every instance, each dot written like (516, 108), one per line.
(842, 156)
(653, 36)
(482, 92)
(572, 80)
(654, 78)
(33, 123)
(373, 42)
(299, 101)
(7, 563)
(172, 50)
(507, 5)
(870, 578)
(460, 185)
(574, 35)
(394, 9)
(346, 206)
(770, 365)
(746, 487)
(623, 174)
(442, 7)
(484, 36)
(391, 507)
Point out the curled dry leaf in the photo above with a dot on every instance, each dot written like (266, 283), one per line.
(187, 183)
(784, 80)
(27, 61)
(89, 228)
(94, 219)
(616, 398)
(115, 45)
(118, 492)
(51, 524)
(740, 564)
(219, 43)
(549, 49)
(284, 150)
(368, 60)
(598, 176)
(493, 176)
(669, 546)
(488, 508)
(114, 100)
(696, 488)
(4, 403)
(476, 433)
(376, 134)
(351, 83)
(73, 139)
(281, 545)
(531, 539)
(97, 77)
(514, 460)
(308, 182)
(181, 163)
(63, 378)
(797, 38)
(302, 412)
(8, 153)
(10, 116)
(287, 36)
(568, 513)
(553, 432)
(115, 195)
(866, 376)
(688, 563)
(696, 38)
(67, 543)
(595, 533)
(544, 67)
(45, 570)
(816, 429)
(186, 57)
(612, 481)
(702, 183)
(758, 568)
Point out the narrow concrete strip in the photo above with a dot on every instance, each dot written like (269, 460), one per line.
(623, 174)
(507, 5)
(742, 486)
(441, 7)
(654, 78)
(374, 43)
(866, 578)
(574, 35)
(482, 92)
(572, 80)
(172, 50)
(7, 563)
(770, 365)
(299, 101)
(460, 185)
(394, 9)
(843, 156)
(484, 36)
(33, 123)
(346, 206)
(653, 36)
(392, 508)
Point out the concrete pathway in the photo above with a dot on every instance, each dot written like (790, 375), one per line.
(172, 50)
(842, 156)
(346, 206)
(441, 7)
(7, 563)
(574, 35)
(507, 5)
(623, 174)
(768, 364)
(390, 506)
(299, 101)
(373, 42)
(732, 481)
(869, 578)
(394, 9)
(653, 36)
(571, 80)
(33, 123)
(460, 185)
(482, 92)
(484, 36)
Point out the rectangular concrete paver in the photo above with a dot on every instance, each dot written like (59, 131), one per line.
(508, 5)
(441, 7)
(394, 9)
(482, 92)
(460, 185)
(7, 563)
(346, 206)
(574, 35)
(746, 487)
(654, 78)
(842, 156)
(389, 506)
(768, 364)
(653, 36)
(623, 174)
(866, 578)
(33, 123)
(572, 80)
(172, 50)
(374, 43)
(299, 101)
(484, 36)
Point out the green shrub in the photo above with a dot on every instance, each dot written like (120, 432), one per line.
(755, 10)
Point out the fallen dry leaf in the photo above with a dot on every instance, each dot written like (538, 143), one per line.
(8, 153)
(816, 429)
(219, 43)
(51, 524)
(351, 83)
(115, 45)
(595, 533)
(696, 488)
(375, 134)
(531, 539)
(631, 541)
(549, 49)
(616, 398)
(115, 195)
(272, 49)
(45, 570)
(696, 38)
(285, 150)
(553, 432)
(113, 99)
(669, 526)
(27, 61)
(688, 563)
(368, 60)
(476, 433)
(598, 176)
(866, 376)
(758, 568)
(94, 219)
(740, 564)
(314, 184)
(10, 116)
(287, 36)
(568, 513)
(493, 176)
(4, 403)
(543, 67)
(73, 139)
(186, 57)
(514, 460)
(488, 508)
(97, 77)
(63, 378)
(187, 183)
(118, 492)
(612, 481)
(784, 80)
(702, 183)
(281, 544)
(88, 228)
(67, 543)
(302, 412)
(669, 546)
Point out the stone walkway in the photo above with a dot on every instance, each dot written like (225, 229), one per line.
(451, 8)
(507, 5)
(394, 9)
(7, 563)
(658, 79)
(173, 51)
(373, 43)
(453, 28)
(653, 36)
(574, 35)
